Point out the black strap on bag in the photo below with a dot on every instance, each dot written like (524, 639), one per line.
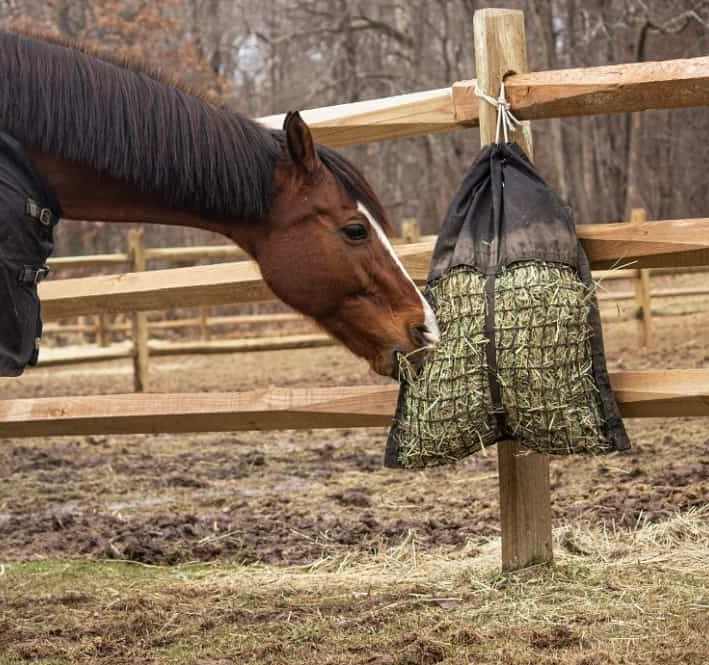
(29, 211)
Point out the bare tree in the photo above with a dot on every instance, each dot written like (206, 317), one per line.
(266, 56)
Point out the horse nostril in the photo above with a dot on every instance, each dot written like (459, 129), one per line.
(422, 335)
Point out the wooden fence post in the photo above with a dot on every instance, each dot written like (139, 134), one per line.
(525, 501)
(203, 323)
(136, 249)
(410, 230)
(85, 323)
(102, 333)
(643, 292)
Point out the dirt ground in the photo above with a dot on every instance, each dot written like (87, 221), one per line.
(289, 501)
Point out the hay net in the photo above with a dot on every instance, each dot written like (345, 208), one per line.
(521, 351)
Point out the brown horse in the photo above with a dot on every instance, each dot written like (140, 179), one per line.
(120, 143)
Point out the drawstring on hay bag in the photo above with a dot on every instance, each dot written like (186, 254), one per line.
(521, 351)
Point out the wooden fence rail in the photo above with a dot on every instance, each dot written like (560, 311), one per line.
(90, 353)
(682, 242)
(172, 254)
(534, 95)
(641, 394)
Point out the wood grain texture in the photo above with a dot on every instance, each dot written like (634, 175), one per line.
(655, 393)
(158, 289)
(525, 496)
(500, 49)
(611, 89)
(195, 253)
(412, 114)
(277, 343)
(662, 393)
(618, 88)
(262, 409)
(657, 244)
(89, 261)
(85, 353)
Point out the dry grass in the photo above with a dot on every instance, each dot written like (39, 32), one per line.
(544, 369)
(639, 596)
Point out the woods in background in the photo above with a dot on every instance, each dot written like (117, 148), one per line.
(269, 56)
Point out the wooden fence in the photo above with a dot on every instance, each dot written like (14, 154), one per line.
(524, 479)
(101, 328)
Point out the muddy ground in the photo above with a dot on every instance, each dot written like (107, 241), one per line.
(293, 548)
(289, 498)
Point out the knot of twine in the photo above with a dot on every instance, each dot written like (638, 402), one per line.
(505, 118)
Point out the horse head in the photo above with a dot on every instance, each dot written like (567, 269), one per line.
(326, 253)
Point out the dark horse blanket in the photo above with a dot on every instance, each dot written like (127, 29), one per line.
(29, 211)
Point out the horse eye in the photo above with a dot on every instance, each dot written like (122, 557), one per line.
(356, 231)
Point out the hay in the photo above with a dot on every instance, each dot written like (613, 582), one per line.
(543, 351)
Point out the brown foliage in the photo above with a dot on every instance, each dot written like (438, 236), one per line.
(274, 55)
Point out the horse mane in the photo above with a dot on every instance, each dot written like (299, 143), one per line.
(121, 119)
(135, 123)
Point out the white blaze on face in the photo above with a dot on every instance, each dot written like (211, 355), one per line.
(432, 334)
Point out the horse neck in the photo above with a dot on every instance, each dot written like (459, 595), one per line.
(87, 195)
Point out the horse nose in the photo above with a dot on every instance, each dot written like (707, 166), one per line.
(426, 334)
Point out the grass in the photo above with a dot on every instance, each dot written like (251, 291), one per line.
(638, 596)
(544, 369)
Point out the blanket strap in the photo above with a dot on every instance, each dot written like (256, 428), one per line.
(43, 215)
(30, 275)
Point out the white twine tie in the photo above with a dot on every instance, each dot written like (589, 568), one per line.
(505, 118)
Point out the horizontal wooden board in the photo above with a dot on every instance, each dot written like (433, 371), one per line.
(551, 94)
(256, 319)
(610, 89)
(412, 114)
(245, 345)
(86, 353)
(157, 289)
(196, 253)
(88, 261)
(662, 393)
(272, 408)
(657, 244)
(682, 242)
(640, 394)
(659, 293)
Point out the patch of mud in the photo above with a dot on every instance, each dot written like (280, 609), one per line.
(648, 497)
(279, 525)
(295, 497)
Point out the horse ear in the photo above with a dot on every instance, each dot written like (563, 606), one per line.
(301, 147)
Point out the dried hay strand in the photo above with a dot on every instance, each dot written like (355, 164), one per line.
(544, 369)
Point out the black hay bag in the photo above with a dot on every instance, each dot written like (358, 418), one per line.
(29, 211)
(521, 352)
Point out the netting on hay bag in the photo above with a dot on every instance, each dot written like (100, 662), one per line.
(521, 352)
